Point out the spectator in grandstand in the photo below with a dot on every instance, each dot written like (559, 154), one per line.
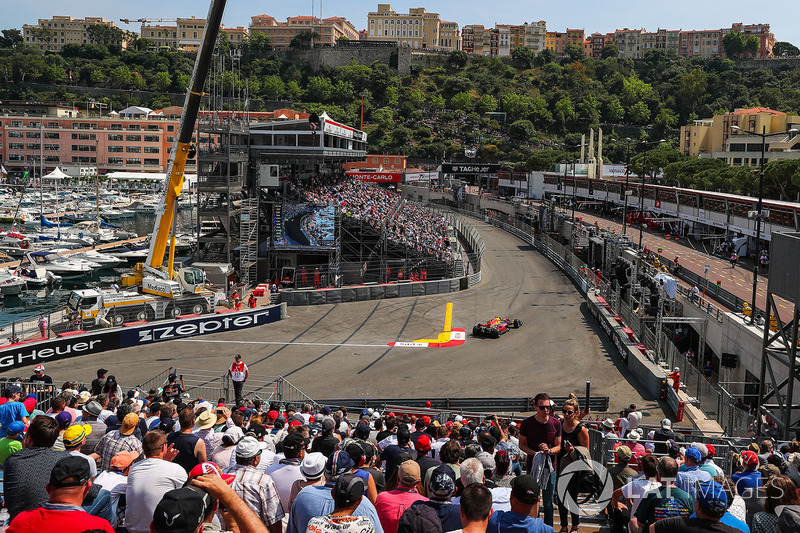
(620, 473)
(39, 376)
(316, 500)
(524, 506)
(626, 499)
(391, 505)
(204, 424)
(440, 490)
(450, 455)
(191, 448)
(12, 410)
(74, 438)
(710, 506)
(667, 501)
(117, 441)
(356, 453)
(442, 436)
(748, 480)
(89, 415)
(780, 491)
(97, 383)
(687, 480)
(391, 453)
(254, 487)
(573, 434)
(707, 459)
(662, 435)
(476, 508)
(113, 389)
(107, 407)
(637, 448)
(347, 495)
(115, 480)
(12, 442)
(26, 472)
(541, 433)
(287, 471)
(327, 441)
(419, 429)
(149, 480)
(69, 483)
(313, 469)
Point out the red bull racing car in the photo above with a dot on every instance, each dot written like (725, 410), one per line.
(496, 327)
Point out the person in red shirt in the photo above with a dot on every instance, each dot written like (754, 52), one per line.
(542, 433)
(69, 483)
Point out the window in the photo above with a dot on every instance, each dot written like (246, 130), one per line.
(152, 127)
(133, 149)
(152, 162)
(36, 146)
(52, 135)
(83, 148)
(151, 138)
(15, 134)
(134, 127)
(32, 135)
(115, 149)
(52, 158)
(133, 161)
(116, 126)
(84, 136)
(16, 146)
(34, 124)
(115, 137)
(170, 128)
(170, 139)
(151, 150)
(115, 161)
(15, 157)
(16, 124)
(133, 138)
(51, 147)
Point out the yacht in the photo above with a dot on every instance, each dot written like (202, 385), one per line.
(60, 265)
(36, 276)
(93, 256)
(15, 244)
(11, 284)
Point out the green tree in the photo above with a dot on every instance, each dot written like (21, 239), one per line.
(546, 56)
(522, 130)
(121, 76)
(575, 52)
(732, 44)
(639, 113)
(609, 51)
(256, 45)
(293, 91)
(486, 103)
(96, 77)
(780, 49)
(43, 35)
(516, 105)
(523, 57)
(564, 112)
(437, 102)
(752, 45)
(781, 178)
(319, 89)
(634, 90)
(104, 34)
(273, 87)
(457, 59)
(392, 96)
(416, 97)
(461, 101)
(614, 111)
(343, 92)
(304, 39)
(162, 81)
(11, 38)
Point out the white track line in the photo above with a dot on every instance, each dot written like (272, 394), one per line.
(287, 343)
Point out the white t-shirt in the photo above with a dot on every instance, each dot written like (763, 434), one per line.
(284, 476)
(637, 490)
(148, 481)
(238, 370)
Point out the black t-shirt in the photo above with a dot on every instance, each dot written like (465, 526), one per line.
(172, 390)
(326, 445)
(392, 455)
(97, 386)
(426, 462)
(415, 435)
(383, 434)
(377, 475)
(692, 525)
(662, 436)
(44, 379)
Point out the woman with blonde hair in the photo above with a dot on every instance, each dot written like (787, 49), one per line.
(573, 433)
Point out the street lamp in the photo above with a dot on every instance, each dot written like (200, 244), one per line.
(759, 205)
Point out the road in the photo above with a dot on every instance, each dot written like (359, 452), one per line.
(340, 350)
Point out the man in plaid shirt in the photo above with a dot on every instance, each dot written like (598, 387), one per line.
(255, 487)
(121, 440)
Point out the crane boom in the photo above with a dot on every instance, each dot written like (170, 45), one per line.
(182, 147)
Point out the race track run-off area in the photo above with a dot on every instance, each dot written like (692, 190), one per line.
(404, 347)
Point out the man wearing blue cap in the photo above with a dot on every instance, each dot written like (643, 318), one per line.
(13, 410)
(688, 479)
(711, 502)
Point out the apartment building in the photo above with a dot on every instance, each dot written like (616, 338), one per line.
(629, 43)
(417, 29)
(559, 41)
(187, 34)
(475, 39)
(766, 39)
(534, 36)
(330, 29)
(383, 162)
(449, 36)
(52, 34)
(701, 43)
(500, 41)
(714, 137)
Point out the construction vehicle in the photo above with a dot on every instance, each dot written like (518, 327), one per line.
(164, 290)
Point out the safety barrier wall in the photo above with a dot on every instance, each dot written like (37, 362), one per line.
(403, 289)
(84, 343)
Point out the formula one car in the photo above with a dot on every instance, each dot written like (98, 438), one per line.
(496, 327)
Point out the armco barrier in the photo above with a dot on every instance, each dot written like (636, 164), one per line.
(383, 291)
(30, 353)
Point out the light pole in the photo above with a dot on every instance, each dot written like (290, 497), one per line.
(759, 205)
(627, 181)
(641, 189)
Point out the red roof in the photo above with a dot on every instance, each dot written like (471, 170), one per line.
(756, 110)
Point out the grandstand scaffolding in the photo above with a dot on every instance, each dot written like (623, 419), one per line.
(248, 241)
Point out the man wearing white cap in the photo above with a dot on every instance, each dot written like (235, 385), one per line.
(256, 488)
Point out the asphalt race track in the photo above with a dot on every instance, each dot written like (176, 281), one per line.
(340, 350)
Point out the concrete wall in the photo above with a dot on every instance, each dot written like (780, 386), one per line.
(339, 56)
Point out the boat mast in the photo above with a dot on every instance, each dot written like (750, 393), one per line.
(97, 179)
(41, 169)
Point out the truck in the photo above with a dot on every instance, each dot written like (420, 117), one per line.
(154, 290)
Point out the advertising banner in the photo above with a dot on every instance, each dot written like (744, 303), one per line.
(376, 177)
(470, 168)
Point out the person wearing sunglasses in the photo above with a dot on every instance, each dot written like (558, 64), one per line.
(541, 433)
(573, 433)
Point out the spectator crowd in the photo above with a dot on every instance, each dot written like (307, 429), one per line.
(103, 460)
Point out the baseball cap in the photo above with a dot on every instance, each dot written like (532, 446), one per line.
(272, 416)
(525, 488)
(93, 408)
(16, 427)
(75, 434)
(624, 453)
(249, 447)
(38, 368)
(69, 467)
(64, 419)
(423, 444)
(711, 450)
(210, 468)
(338, 463)
(14, 389)
(465, 431)
(294, 441)
(181, 510)
(348, 490)
(122, 460)
(362, 431)
(693, 454)
(486, 460)
(443, 482)
(408, 473)
(328, 424)
(313, 465)
(232, 436)
(701, 448)
(419, 519)
(666, 423)
(711, 495)
(257, 431)
(166, 425)
(129, 424)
